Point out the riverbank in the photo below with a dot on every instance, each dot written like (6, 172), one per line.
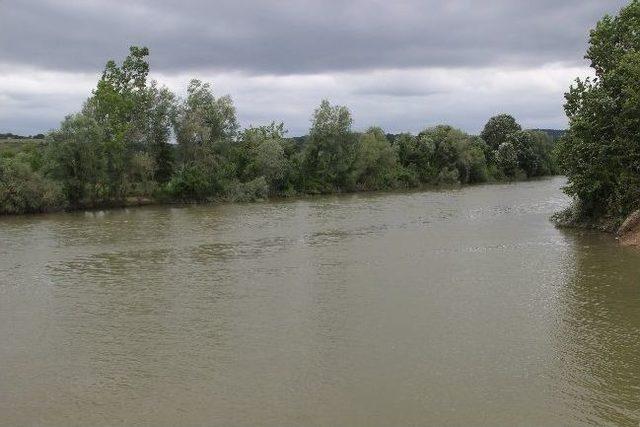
(625, 230)
(240, 197)
(629, 232)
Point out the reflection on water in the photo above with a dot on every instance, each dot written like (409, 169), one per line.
(460, 307)
(599, 336)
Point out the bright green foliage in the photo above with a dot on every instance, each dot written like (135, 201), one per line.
(600, 154)
(117, 100)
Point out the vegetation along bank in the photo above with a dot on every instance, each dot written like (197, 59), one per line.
(136, 142)
(600, 153)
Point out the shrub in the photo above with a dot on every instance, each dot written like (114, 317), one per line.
(448, 176)
(22, 190)
(189, 183)
(256, 189)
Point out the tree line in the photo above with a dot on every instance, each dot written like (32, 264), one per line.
(135, 140)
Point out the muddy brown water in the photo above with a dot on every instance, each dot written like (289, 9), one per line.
(456, 307)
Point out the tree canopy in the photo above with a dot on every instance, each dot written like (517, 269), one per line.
(600, 153)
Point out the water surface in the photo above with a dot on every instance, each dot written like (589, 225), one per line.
(458, 307)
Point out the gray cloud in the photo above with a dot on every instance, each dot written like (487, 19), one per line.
(301, 36)
(402, 64)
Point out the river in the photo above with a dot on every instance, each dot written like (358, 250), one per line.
(454, 307)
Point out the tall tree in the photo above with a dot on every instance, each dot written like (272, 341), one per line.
(330, 152)
(206, 129)
(76, 159)
(600, 153)
(204, 122)
(119, 105)
(264, 155)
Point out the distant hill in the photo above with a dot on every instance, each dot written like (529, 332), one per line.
(553, 134)
(299, 139)
(14, 136)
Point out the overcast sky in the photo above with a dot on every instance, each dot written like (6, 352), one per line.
(401, 64)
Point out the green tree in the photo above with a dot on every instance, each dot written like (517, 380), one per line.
(120, 92)
(507, 159)
(204, 122)
(190, 182)
(376, 161)
(416, 157)
(472, 163)
(446, 163)
(600, 153)
(264, 148)
(405, 146)
(534, 151)
(544, 148)
(206, 129)
(119, 106)
(76, 158)
(528, 160)
(330, 152)
(22, 189)
(160, 118)
(499, 129)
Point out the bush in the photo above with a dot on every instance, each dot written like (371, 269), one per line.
(407, 177)
(142, 176)
(448, 176)
(376, 161)
(472, 165)
(251, 191)
(23, 191)
(189, 183)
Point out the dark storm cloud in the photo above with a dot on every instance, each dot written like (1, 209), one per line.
(293, 37)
